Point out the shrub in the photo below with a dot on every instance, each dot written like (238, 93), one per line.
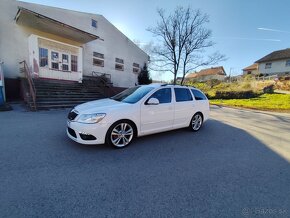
(269, 89)
(235, 94)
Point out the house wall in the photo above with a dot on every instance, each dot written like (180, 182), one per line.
(277, 67)
(14, 46)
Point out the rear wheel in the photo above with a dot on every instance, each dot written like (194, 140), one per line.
(120, 134)
(196, 122)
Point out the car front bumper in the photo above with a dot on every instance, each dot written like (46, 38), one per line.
(89, 134)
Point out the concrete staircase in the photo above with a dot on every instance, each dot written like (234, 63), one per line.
(51, 94)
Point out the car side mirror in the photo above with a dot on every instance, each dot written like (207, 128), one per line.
(153, 101)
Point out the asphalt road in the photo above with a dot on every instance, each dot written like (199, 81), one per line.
(237, 165)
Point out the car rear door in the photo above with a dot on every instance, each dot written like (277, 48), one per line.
(184, 107)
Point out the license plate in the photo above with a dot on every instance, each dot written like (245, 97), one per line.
(68, 123)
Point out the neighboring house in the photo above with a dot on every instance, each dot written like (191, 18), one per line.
(207, 74)
(251, 70)
(65, 45)
(275, 63)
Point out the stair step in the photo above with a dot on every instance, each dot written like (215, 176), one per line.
(65, 99)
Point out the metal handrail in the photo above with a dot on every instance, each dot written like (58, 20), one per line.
(104, 77)
(28, 76)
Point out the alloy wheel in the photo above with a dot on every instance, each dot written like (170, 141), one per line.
(122, 134)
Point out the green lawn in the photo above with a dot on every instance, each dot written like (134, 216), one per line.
(275, 102)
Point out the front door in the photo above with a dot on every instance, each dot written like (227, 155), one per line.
(60, 61)
(157, 118)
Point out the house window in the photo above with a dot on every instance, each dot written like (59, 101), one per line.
(136, 68)
(98, 62)
(268, 65)
(94, 23)
(65, 62)
(288, 63)
(119, 64)
(54, 60)
(74, 63)
(119, 60)
(43, 57)
(119, 67)
(98, 59)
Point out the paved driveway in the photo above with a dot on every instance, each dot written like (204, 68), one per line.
(236, 166)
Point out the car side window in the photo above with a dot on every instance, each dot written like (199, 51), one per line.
(182, 94)
(163, 95)
(198, 95)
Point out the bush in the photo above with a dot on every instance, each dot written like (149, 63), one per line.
(269, 89)
(235, 94)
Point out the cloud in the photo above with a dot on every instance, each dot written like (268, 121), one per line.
(272, 30)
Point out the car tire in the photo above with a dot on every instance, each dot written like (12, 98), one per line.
(196, 122)
(120, 134)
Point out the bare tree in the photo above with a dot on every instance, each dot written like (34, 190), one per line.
(183, 40)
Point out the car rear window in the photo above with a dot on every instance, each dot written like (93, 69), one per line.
(198, 95)
(182, 94)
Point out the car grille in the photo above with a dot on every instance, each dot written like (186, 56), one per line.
(72, 115)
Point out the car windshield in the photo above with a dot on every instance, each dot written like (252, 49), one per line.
(132, 95)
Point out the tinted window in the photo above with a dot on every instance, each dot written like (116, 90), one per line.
(198, 95)
(182, 94)
(163, 95)
(132, 95)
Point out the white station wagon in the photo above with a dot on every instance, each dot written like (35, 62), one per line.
(137, 111)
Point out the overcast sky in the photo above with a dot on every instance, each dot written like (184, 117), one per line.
(244, 30)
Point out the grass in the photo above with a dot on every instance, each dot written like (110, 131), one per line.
(274, 102)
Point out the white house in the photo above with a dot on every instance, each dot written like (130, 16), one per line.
(275, 63)
(64, 45)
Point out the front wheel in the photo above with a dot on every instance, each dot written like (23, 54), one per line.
(196, 122)
(120, 134)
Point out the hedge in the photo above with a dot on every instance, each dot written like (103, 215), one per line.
(235, 94)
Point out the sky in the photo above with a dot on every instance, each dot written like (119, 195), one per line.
(243, 30)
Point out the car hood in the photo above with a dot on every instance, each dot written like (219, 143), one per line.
(98, 106)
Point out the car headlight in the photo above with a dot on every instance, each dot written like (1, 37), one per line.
(91, 118)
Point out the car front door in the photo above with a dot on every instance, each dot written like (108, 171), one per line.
(159, 117)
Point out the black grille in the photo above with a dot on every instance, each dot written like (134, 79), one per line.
(87, 137)
(72, 132)
(72, 115)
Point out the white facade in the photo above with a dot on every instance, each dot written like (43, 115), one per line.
(275, 67)
(20, 41)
